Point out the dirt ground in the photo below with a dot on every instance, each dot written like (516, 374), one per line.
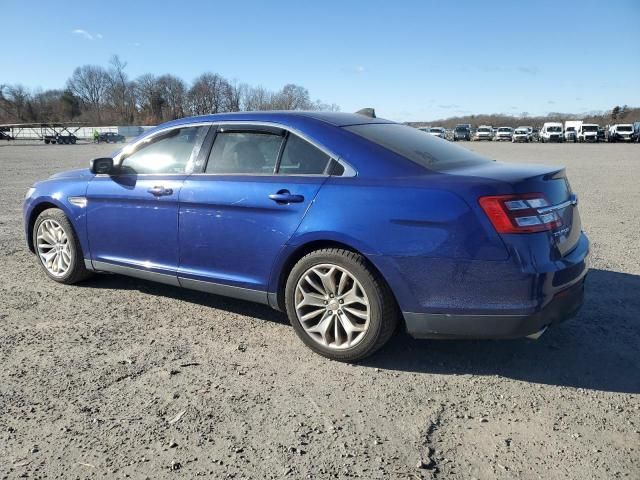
(118, 377)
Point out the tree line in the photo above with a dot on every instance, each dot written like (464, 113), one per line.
(618, 114)
(107, 96)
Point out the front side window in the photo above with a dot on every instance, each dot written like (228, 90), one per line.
(173, 151)
(244, 153)
(302, 158)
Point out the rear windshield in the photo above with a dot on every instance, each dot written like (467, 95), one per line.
(624, 128)
(425, 150)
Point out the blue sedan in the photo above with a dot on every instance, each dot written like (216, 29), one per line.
(354, 226)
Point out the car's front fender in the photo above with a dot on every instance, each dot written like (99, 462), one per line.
(57, 194)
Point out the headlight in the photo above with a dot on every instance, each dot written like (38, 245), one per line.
(29, 192)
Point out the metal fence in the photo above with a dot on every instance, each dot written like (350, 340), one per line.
(83, 133)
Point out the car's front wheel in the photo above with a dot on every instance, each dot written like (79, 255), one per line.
(58, 248)
(339, 306)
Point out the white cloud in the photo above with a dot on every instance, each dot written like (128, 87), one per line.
(87, 35)
(358, 70)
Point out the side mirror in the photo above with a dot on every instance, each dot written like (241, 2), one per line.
(102, 165)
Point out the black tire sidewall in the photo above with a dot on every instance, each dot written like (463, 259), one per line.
(366, 278)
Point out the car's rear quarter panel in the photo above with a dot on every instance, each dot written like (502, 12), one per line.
(428, 243)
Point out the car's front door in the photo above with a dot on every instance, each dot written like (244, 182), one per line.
(132, 214)
(237, 215)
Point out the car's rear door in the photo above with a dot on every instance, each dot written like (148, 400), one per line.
(239, 212)
(132, 214)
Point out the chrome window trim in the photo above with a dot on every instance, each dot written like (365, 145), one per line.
(117, 160)
(349, 171)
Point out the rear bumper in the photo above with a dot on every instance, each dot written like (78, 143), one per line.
(564, 305)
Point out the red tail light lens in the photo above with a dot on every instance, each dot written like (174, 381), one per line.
(519, 213)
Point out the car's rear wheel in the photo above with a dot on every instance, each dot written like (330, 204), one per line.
(339, 306)
(58, 248)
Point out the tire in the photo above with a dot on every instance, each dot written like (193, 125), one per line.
(73, 140)
(76, 270)
(46, 142)
(382, 309)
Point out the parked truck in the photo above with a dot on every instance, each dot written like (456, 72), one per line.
(60, 139)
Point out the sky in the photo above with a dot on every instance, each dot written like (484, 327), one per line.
(410, 60)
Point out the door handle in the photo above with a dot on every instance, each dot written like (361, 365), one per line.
(160, 191)
(284, 197)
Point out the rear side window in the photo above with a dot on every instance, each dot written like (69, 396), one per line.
(425, 150)
(302, 158)
(244, 153)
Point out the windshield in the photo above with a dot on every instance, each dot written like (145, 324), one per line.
(484, 130)
(504, 129)
(589, 128)
(624, 128)
(554, 129)
(461, 129)
(436, 130)
(571, 129)
(521, 132)
(425, 150)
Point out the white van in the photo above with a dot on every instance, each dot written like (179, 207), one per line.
(620, 132)
(571, 128)
(588, 132)
(551, 132)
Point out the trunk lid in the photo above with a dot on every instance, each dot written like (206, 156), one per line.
(506, 179)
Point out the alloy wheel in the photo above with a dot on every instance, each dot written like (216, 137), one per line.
(54, 248)
(332, 306)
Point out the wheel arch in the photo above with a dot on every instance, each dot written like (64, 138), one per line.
(277, 297)
(36, 210)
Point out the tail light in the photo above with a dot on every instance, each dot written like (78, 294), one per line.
(519, 213)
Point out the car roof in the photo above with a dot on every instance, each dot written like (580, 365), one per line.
(338, 119)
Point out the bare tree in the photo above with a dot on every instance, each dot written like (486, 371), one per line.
(174, 94)
(235, 95)
(209, 94)
(101, 95)
(120, 92)
(90, 83)
(15, 101)
(257, 98)
(149, 98)
(293, 97)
